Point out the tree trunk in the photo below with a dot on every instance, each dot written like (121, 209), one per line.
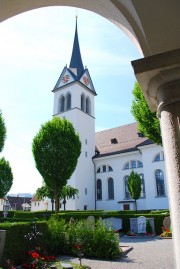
(64, 203)
(52, 203)
(136, 205)
(56, 203)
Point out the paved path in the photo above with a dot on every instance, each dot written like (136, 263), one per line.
(146, 254)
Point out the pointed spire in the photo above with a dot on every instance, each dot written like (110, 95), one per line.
(76, 60)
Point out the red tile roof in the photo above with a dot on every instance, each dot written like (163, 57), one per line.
(118, 140)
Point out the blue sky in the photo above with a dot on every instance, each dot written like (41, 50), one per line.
(34, 48)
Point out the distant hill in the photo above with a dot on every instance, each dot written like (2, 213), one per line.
(21, 194)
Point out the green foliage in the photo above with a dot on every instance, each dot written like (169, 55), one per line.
(44, 191)
(148, 123)
(2, 132)
(57, 236)
(24, 214)
(16, 245)
(68, 192)
(134, 186)
(61, 236)
(56, 149)
(148, 227)
(6, 177)
(96, 241)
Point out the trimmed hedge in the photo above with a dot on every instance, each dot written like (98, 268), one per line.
(16, 245)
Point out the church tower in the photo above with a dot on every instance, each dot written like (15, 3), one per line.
(74, 99)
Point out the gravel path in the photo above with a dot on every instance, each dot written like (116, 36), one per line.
(146, 254)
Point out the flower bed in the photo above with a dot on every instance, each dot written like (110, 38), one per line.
(132, 234)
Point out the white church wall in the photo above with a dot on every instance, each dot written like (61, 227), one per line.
(150, 166)
(83, 177)
(75, 92)
(150, 200)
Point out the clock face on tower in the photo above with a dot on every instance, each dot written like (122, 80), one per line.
(65, 79)
(85, 80)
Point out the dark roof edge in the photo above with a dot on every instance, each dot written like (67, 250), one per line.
(114, 153)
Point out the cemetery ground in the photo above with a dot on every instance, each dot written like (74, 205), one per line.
(100, 239)
(146, 253)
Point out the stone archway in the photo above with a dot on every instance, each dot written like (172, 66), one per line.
(154, 25)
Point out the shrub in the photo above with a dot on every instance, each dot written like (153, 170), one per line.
(96, 240)
(24, 214)
(16, 246)
(57, 232)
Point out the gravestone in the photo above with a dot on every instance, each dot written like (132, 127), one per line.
(167, 222)
(115, 223)
(91, 220)
(133, 225)
(141, 222)
(135, 228)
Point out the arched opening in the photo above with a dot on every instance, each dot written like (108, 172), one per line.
(34, 56)
(160, 188)
(110, 188)
(88, 106)
(99, 189)
(154, 37)
(83, 103)
(61, 104)
(68, 101)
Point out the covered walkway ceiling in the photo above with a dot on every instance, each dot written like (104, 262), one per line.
(154, 25)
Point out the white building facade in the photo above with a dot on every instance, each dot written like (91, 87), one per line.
(114, 164)
(108, 157)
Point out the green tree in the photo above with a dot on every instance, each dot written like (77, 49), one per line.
(6, 177)
(68, 192)
(148, 123)
(2, 132)
(44, 191)
(134, 186)
(56, 149)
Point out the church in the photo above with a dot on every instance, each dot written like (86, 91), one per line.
(107, 157)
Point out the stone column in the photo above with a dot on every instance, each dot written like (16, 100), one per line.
(159, 78)
(168, 97)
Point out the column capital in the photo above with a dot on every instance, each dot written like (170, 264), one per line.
(168, 94)
(155, 71)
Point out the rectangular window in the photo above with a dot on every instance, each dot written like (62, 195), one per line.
(85, 207)
(126, 207)
(86, 141)
(86, 154)
(104, 168)
(86, 191)
(133, 164)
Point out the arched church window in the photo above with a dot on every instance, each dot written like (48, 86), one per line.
(68, 101)
(127, 192)
(83, 104)
(157, 158)
(99, 189)
(88, 106)
(110, 188)
(98, 170)
(142, 195)
(126, 166)
(110, 168)
(159, 176)
(139, 164)
(61, 103)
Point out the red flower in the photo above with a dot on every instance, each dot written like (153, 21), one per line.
(78, 246)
